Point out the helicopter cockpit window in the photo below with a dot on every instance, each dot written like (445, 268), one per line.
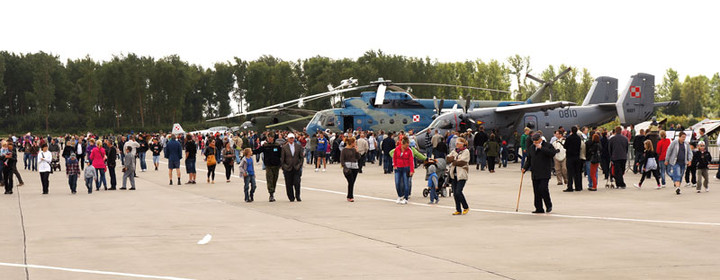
(330, 121)
(441, 124)
(253, 121)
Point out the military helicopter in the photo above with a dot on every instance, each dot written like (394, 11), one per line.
(600, 106)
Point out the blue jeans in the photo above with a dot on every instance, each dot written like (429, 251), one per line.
(401, 181)
(388, 163)
(481, 158)
(26, 160)
(156, 159)
(663, 169)
(72, 182)
(249, 181)
(101, 178)
(308, 156)
(587, 172)
(678, 170)
(33, 162)
(88, 184)
(522, 160)
(143, 165)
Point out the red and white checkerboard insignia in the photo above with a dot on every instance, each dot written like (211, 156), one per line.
(416, 118)
(635, 92)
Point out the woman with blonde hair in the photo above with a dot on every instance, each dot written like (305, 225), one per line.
(649, 164)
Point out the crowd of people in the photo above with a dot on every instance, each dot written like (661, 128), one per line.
(567, 155)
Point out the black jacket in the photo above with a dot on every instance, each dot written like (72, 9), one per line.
(638, 144)
(480, 139)
(572, 145)
(387, 145)
(271, 153)
(540, 161)
(703, 159)
(111, 154)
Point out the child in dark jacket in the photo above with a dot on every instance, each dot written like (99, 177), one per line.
(703, 159)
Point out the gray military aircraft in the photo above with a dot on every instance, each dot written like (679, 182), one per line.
(600, 106)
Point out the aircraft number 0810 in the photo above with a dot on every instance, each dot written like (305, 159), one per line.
(567, 114)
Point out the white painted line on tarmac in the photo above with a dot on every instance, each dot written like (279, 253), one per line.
(92, 271)
(501, 211)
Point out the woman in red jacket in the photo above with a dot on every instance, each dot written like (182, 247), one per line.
(97, 157)
(404, 165)
(662, 147)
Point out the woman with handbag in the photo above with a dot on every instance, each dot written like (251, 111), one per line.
(458, 160)
(211, 160)
(649, 164)
(349, 161)
(228, 160)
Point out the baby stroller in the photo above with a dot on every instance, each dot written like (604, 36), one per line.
(444, 189)
(55, 163)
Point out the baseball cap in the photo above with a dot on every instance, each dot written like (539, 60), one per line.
(291, 135)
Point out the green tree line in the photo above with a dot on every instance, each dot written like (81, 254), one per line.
(131, 92)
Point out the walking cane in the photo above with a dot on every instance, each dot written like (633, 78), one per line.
(517, 206)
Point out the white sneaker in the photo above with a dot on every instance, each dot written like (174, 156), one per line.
(659, 187)
(323, 169)
(694, 185)
(707, 189)
(636, 185)
(399, 200)
(404, 201)
(688, 185)
(317, 169)
(663, 186)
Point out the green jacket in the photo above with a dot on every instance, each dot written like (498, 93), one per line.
(492, 148)
(523, 140)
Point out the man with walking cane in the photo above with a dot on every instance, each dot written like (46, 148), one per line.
(539, 161)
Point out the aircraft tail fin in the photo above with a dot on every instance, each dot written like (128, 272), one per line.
(177, 129)
(637, 101)
(603, 90)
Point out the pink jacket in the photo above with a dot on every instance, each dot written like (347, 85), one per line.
(97, 156)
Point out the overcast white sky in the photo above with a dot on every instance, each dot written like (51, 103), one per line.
(610, 38)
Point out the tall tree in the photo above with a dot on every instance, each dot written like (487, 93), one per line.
(519, 68)
(670, 89)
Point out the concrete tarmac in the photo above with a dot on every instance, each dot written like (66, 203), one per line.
(152, 232)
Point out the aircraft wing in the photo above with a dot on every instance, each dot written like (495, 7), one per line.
(533, 107)
(667, 103)
(291, 103)
(613, 106)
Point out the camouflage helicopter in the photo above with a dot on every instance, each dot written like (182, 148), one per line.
(601, 105)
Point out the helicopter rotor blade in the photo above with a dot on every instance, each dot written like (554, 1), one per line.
(561, 74)
(449, 85)
(535, 79)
